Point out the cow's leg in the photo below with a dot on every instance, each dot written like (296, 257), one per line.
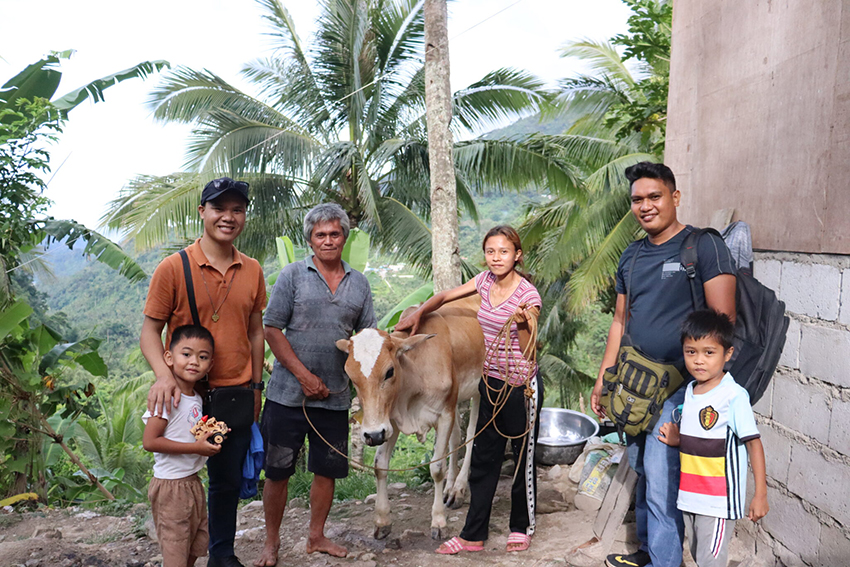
(461, 483)
(383, 520)
(444, 426)
(454, 442)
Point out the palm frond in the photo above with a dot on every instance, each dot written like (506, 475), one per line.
(596, 271)
(97, 246)
(94, 89)
(499, 95)
(602, 56)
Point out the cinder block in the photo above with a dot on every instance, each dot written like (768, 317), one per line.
(792, 525)
(834, 547)
(777, 453)
(824, 354)
(791, 351)
(844, 313)
(801, 407)
(822, 482)
(811, 289)
(839, 427)
(765, 404)
(768, 272)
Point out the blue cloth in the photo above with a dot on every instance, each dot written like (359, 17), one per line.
(660, 525)
(253, 464)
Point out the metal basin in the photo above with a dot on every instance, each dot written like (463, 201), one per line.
(563, 434)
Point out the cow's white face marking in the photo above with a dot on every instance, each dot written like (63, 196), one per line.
(366, 347)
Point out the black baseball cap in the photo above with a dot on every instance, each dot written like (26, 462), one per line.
(217, 187)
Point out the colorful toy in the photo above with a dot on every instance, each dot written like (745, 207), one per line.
(210, 425)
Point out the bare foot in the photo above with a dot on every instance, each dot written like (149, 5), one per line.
(269, 556)
(324, 545)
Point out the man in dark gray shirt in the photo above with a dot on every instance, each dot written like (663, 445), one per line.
(318, 301)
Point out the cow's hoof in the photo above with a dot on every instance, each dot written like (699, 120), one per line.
(438, 533)
(381, 532)
(455, 502)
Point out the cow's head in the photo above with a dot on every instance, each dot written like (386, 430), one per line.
(373, 365)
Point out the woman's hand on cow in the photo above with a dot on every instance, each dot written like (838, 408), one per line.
(313, 387)
(410, 322)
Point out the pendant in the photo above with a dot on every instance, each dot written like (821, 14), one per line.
(215, 317)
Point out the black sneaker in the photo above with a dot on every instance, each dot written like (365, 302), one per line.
(637, 559)
(231, 561)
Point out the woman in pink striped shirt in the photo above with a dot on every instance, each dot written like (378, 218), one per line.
(506, 294)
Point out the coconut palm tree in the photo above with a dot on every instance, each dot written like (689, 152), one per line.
(341, 119)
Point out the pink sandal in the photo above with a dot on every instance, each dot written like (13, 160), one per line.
(519, 541)
(456, 545)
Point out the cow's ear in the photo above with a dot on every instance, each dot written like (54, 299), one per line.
(412, 342)
(343, 345)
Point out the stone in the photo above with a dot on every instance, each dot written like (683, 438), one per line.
(839, 429)
(150, 531)
(156, 559)
(47, 532)
(768, 272)
(33, 563)
(818, 480)
(792, 525)
(300, 548)
(367, 557)
(370, 563)
(254, 505)
(801, 407)
(397, 486)
(777, 453)
(790, 356)
(834, 547)
(844, 313)
(297, 502)
(811, 289)
(409, 534)
(823, 354)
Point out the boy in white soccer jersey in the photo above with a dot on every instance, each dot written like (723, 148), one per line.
(717, 433)
(176, 493)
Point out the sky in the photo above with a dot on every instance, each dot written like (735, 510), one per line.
(105, 145)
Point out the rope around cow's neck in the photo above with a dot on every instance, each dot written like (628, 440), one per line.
(503, 393)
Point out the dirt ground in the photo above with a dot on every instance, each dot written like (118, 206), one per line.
(81, 538)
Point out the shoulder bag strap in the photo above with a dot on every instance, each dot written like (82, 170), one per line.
(190, 287)
(688, 256)
(629, 287)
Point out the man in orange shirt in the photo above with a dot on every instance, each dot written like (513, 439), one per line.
(230, 294)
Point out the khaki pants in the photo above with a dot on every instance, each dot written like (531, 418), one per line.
(180, 516)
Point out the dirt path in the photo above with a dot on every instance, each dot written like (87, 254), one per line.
(77, 538)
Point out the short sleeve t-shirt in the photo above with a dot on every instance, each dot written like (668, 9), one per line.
(713, 434)
(180, 420)
(314, 318)
(492, 318)
(237, 294)
(660, 292)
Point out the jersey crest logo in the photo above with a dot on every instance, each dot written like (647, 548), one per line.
(708, 417)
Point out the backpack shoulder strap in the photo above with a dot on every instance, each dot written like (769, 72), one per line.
(190, 287)
(688, 256)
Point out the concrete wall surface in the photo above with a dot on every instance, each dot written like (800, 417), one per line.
(759, 118)
(804, 418)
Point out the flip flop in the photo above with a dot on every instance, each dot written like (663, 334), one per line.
(519, 541)
(455, 545)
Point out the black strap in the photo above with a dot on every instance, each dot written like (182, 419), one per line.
(190, 287)
(688, 257)
(629, 287)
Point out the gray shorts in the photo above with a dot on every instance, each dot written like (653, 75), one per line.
(708, 538)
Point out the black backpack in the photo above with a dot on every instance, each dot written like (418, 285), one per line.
(760, 326)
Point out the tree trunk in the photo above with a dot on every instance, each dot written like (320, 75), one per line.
(445, 253)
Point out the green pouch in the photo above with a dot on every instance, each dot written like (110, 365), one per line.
(635, 389)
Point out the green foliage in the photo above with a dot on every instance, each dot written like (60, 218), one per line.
(341, 119)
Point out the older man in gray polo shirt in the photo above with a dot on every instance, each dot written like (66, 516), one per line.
(318, 301)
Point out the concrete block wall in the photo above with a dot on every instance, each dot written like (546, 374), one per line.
(804, 417)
